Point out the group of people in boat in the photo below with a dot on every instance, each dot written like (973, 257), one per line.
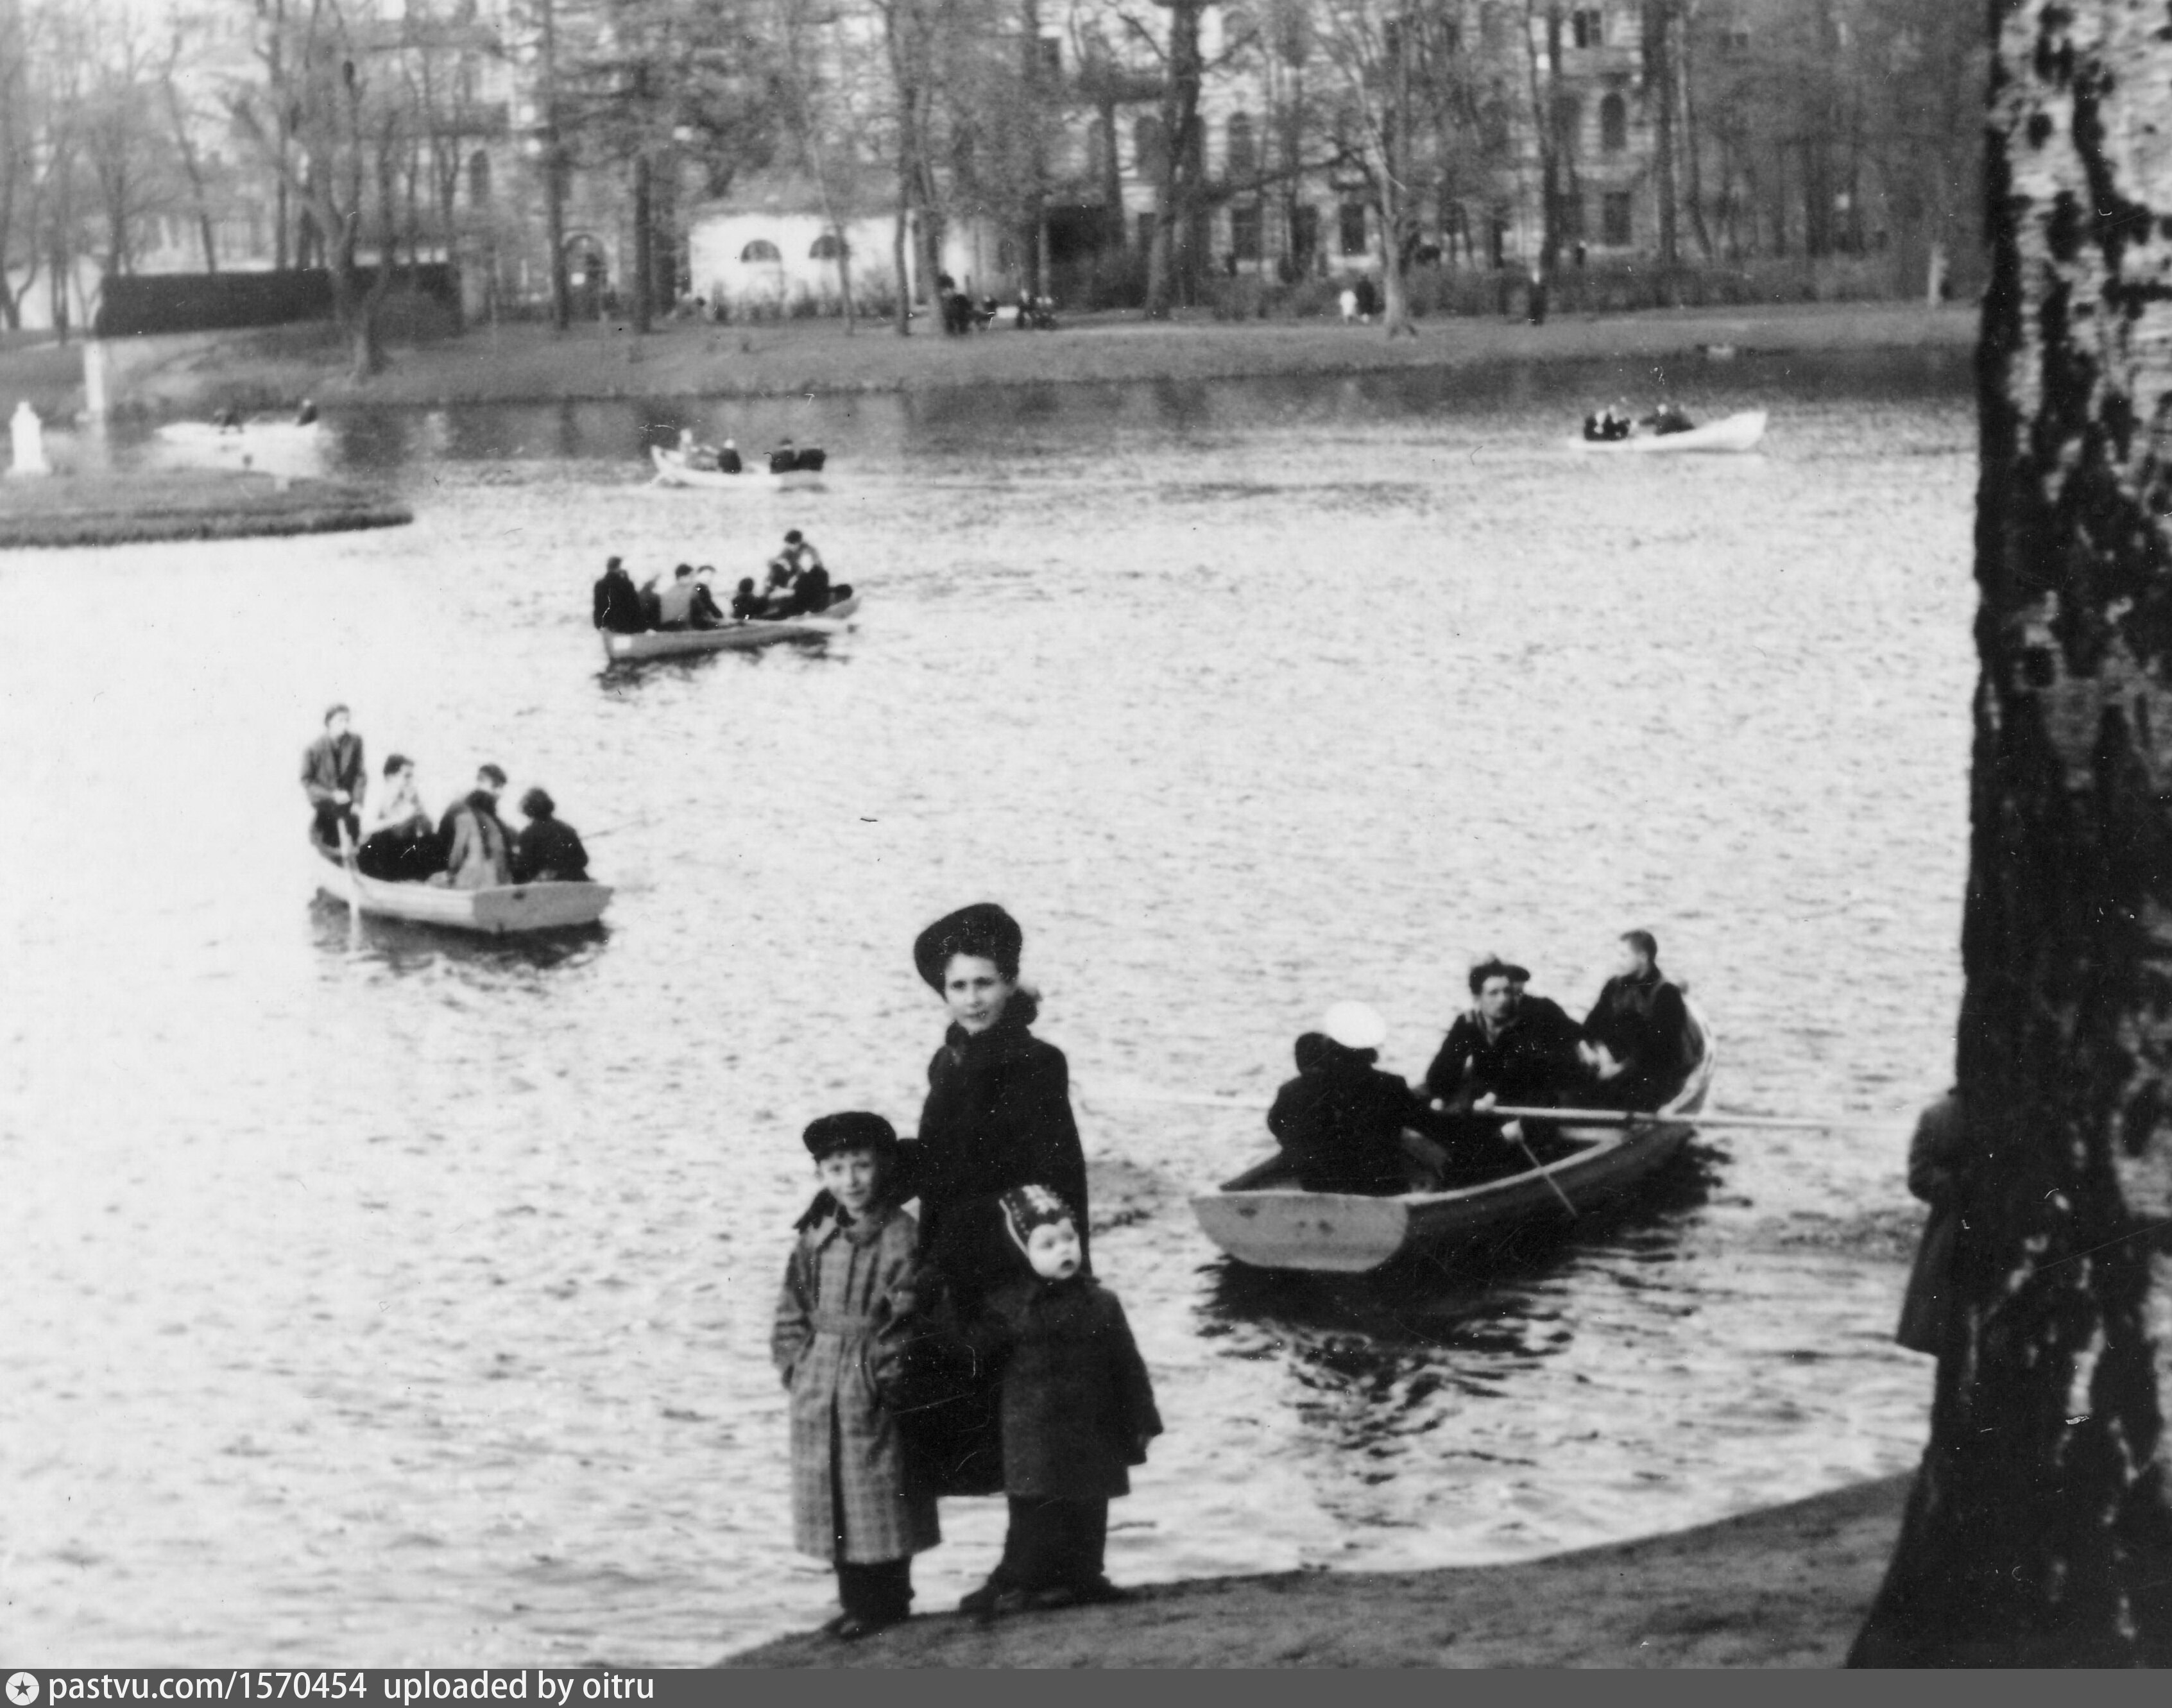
(1343, 1121)
(787, 458)
(468, 847)
(1615, 421)
(797, 584)
(970, 1349)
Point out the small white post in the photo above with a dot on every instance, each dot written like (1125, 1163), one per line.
(29, 436)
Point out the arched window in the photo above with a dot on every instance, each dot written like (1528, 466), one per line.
(479, 178)
(1612, 124)
(761, 249)
(828, 247)
(1147, 146)
(1240, 161)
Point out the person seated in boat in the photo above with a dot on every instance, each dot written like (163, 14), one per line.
(1669, 418)
(746, 602)
(1507, 1048)
(784, 460)
(228, 419)
(478, 847)
(1611, 423)
(776, 591)
(333, 778)
(618, 605)
(701, 457)
(703, 611)
(1342, 1119)
(651, 604)
(1636, 1037)
(306, 416)
(729, 460)
(675, 605)
(401, 847)
(548, 849)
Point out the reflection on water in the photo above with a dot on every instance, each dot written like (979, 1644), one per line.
(439, 1272)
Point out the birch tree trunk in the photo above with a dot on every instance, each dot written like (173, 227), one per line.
(2038, 1532)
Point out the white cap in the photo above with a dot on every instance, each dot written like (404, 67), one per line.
(1354, 1026)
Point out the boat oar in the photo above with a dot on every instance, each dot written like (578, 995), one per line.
(1701, 1118)
(1553, 1185)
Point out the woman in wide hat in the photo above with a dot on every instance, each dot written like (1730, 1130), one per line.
(998, 1117)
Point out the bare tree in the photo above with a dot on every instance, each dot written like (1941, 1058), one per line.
(1374, 45)
(2040, 1530)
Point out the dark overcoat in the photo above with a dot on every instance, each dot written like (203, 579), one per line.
(1341, 1121)
(1078, 1408)
(1528, 1063)
(1644, 1024)
(845, 1288)
(1936, 1154)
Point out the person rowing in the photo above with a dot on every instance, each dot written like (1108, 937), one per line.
(1507, 1048)
(1611, 423)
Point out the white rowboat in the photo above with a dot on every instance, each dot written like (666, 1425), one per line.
(732, 637)
(1732, 432)
(1260, 1220)
(671, 471)
(250, 437)
(496, 912)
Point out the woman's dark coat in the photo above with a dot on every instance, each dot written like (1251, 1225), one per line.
(1078, 1409)
(1935, 1156)
(1342, 1122)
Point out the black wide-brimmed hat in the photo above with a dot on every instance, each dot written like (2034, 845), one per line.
(1494, 967)
(983, 929)
(853, 1130)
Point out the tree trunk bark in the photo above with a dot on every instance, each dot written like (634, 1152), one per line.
(644, 256)
(2038, 1533)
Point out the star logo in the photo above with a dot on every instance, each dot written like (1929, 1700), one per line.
(21, 1689)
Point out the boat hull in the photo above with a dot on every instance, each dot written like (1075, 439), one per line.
(1269, 1225)
(732, 637)
(250, 437)
(671, 471)
(499, 911)
(1734, 433)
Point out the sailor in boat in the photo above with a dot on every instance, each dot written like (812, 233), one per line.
(228, 419)
(401, 847)
(706, 613)
(788, 459)
(746, 602)
(1508, 1047)
(1637, 1038)
(1342, 1119)
(618, 608)
(333, 778)
(1669, 418)
(706, 458)
(549, 850)
(687, 603)
(807, 580)
(728, 461)
(1611, 423)
(306, 416)
(477, 846)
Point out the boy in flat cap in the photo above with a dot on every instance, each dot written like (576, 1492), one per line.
(856, 1500)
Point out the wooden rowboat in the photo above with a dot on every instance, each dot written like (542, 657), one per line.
(1264, 1219)
(671, 471)
(495, 912)
(252, 435)
(1732, 432)
(732, 637)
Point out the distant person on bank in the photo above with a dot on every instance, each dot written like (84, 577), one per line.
(548, 850)
(851, 1284)
(333, 778)
(478, 848)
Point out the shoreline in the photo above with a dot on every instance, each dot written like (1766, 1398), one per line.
(599, 362)
(66, 510)
(1786, 1585)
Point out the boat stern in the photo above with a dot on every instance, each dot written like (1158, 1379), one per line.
(1329, 1231)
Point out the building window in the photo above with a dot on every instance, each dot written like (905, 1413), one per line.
(1568, 122)
(1615, 215)
(1353, 227)
(1568, 217)
(828, 247)
(1245, 231)
(1613, 125)
(1304, 235)
(1147, 146)
(1589, 25)
(761, 249)
(1240, 161)
(1051, 56)
(479, 178)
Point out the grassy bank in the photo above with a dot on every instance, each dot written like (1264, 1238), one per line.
(798, 358)
(61, 510)
(1787, 1587)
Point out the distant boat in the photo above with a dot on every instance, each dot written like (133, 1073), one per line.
(263, 434)
(732, 637)
(1732, 432)
(672, 470)
(496, 911)
(1263, 1219)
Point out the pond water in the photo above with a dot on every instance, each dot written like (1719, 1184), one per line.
(380, 1297)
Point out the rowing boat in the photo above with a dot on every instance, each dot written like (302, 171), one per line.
(672, 470)
(1732, 432)
(496, 911)
(1262, 1218)
(250, 436)
(732, 637)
